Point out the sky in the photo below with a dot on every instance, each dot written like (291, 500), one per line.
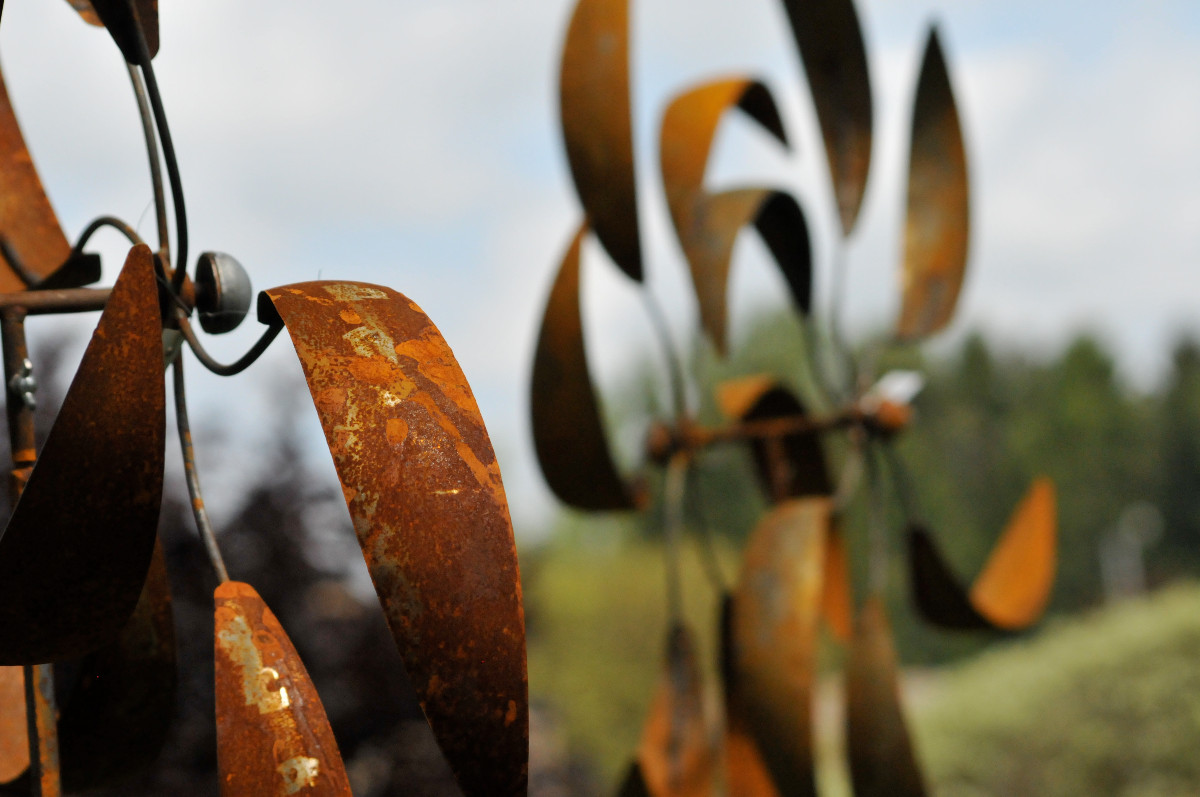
(417, 145)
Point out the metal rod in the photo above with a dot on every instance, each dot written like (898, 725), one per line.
(207, 535)
(662, 333)
(106, 221)
(673, 492)
(160, 204)
(40, 710)
(221, 369)
(67, 300)
(877, 573)
(707, 537)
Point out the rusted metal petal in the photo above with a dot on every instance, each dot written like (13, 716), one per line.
(837, 601)
(424, 492)
(708, 224)
(789, 467)
(676, 757)
(745, 773)
(1014, 587)
(568, 433)
(882, 763)
(272, 734)
(938, 223)
(86, 11)
(831, 46)
(14, 738)
(27, 221)
(124, 19)
(774, 615)
(77, 548)
(633, 784)
(116, 720)
(598, 128)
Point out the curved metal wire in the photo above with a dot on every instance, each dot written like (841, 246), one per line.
(207, 535)
(206, 359)
(105, 221)
(147, 117)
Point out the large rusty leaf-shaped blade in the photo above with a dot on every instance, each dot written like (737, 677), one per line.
(1014, 586)
(837, 601)
(14, 739)
(882, 763)
(272, 734)
(835, 60)
(792, 466)
(75, 554)
(598, 126)
(676, 757)
(938, 222)
(708, 224)
(116, 720)
(773, 631)
(124, 19)
(568, 433)
(424, 491)
(27, 221)
(745, 773)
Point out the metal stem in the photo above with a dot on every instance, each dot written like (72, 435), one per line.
(147, 116)
(221, 369)
(193, 478)
(673, 492)
(106, 221)
(51, 302)
(877, 576)
(708, 539)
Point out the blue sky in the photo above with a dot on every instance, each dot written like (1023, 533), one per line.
(417, 145)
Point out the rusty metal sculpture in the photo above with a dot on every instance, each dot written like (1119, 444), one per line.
(81, 577)
(796, 571)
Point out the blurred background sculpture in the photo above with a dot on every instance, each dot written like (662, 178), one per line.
(84, 587)
(824, 457)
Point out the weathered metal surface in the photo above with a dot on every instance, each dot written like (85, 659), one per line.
(115, 720)
(938, 222)
(273, 738)
(14, 738)
(830, 40)
(745, 773)
(124, 19)
(708, 224)
(882, 763)
(598, 128)
(424, 492)
(773, 631)
(86, 11)
(40, 698)
(1015, 584)
(568, 433)
(71, 571)
(837, 600)
(676, 756)
(792, 466)
(27, 221)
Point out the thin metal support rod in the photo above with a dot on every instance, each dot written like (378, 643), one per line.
(160, 204)
(40, 710)
(673, 522)
(193, 477)
(877, 574)
(106, 221)
(662, 334)
(707, 538)
(221, 369)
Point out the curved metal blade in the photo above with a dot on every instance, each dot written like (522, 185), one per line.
(633, 784)
(86, 11)
(675, 757)
(1015, 584)
(598, 126)
(837, 601)
(14, 738)
(75, 554)
(124, 18)
(882, 763)
(938, 594)
(789, 467)
(831, 46)
(773, 628)
(938, 223)
(27, 221)
(116, 720)
(568, 433)
(745, 773)
(424, 491)
(272, 733)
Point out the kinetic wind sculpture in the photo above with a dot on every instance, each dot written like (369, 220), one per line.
(81, 576)
(796, 569)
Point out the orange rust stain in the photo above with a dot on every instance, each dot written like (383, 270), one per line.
(436, 362)
(295, 291)
(396, 430)
(375, 371)
(350, 317)
(511, 715)
(488, 475)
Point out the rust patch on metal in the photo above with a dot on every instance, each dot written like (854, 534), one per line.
(27, 221)
(86, 11)
(882, 762)
(273, 738)
(676, 756)
(773, 621)
(568, 433)
(71, 570)
(115, 720)
(745, 772)
(938, 221)
(14, 735)
(426, 498)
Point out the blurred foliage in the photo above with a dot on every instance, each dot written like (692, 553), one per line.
(1104, 705)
